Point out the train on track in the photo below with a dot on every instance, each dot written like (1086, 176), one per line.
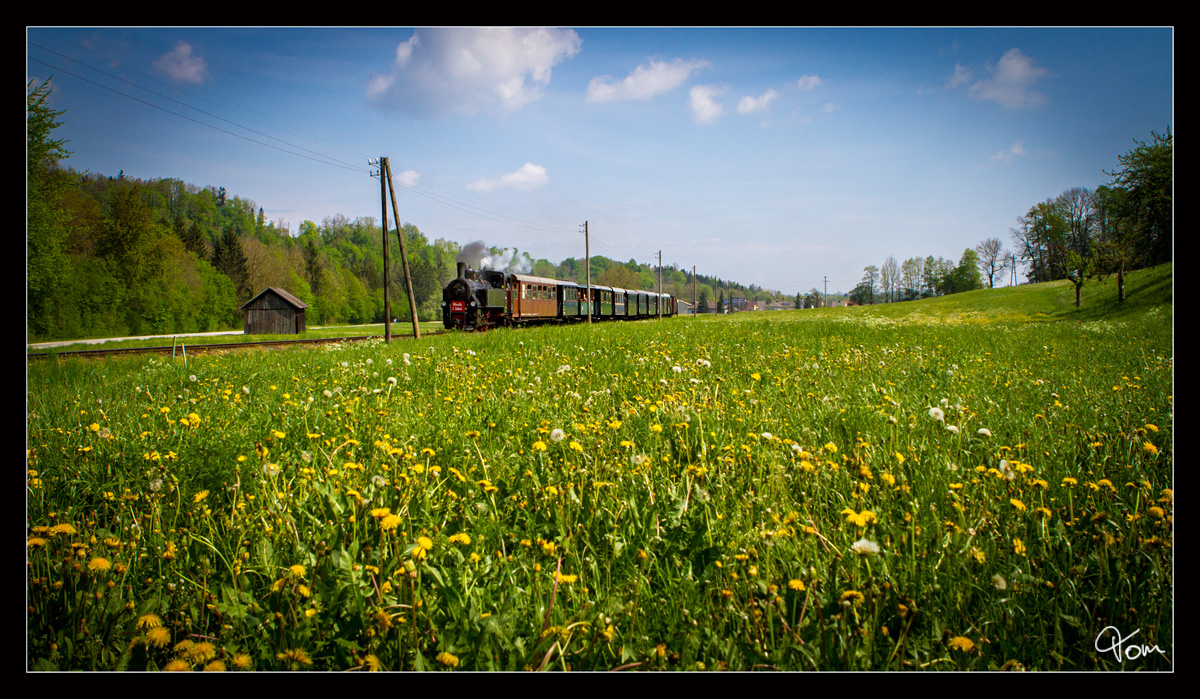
(484, 299)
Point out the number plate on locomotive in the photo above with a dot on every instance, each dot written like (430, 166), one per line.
(458, 306)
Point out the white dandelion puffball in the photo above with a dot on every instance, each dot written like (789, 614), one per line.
(864, 547)
(937, 414)
(557, 435)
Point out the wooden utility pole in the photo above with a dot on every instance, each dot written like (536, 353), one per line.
(660, 298)
(387, 282)
(386, 167)
(695, 308)
(588, 261)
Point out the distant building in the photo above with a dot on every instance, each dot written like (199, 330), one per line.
(274, 312)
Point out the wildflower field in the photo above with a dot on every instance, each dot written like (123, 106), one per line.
(902, 488)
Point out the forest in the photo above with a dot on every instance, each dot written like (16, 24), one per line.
(111, 255)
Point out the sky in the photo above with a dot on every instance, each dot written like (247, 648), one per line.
(788, 158)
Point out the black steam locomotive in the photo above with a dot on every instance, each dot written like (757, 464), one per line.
(483, 299)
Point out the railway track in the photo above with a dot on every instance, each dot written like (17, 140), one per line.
(182, 349)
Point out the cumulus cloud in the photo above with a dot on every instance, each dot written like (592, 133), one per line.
(1007, 155)
(645, 81)
(808, 82)
(961, 76)
(182, 65)
(702, 101)
(464, 69)
(1011, 82)
(527, 178)
(750, 104)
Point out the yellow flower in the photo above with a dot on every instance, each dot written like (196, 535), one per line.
(215, 666)
(860, 519)
(962, 643)
(461, 538)
(1018, 547)
(447, 659)
(99, 565)
(539, 446)
(796, 584)
(423, 547)
(567, 579)
(851, 598)
(390, 522)
(158, 636)
(756, 376)
(177, 665)
(294, 655)
(831, 447)
(241, 661)
(193, 420)
(1150, 449)
(576, 446)
(200, 496)
(149, 621)
(1017, 504)
(297, 571)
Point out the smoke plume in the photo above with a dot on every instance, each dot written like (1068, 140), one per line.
(478, 255)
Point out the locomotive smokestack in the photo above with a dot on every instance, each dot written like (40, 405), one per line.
(462, 270)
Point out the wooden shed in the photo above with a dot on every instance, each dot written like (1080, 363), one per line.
(274, 312)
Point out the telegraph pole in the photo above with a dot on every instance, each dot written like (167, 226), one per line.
(587, 256)
(826, 292)
(387, 283)
(386, 168)
(695, 308)
(660, 298)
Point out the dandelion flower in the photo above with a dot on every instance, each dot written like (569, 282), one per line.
(177, 665)
(984, 432)
(447, 659)
(423, 547)
(158, 636)
(851, 598)
(149, 621)
(1150, 449)
(952, 428)
(1017, 504)
(297, 571)
(937, 414)
(200, 496)
(295, 656)
(99, 565)
(461, 538)
(557, 435)
(962, 643)
(539, 446)
(389, 522)
(999, 582)
(796, 584)
(241, 661)
(215, 666)
(1018, 547)
(865, 547)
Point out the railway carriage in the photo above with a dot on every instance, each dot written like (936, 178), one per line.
(483, 299)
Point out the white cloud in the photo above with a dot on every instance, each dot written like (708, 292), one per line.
(464, 70)
(750, 104)
(703, 103)
(1011, 82)
(1006, 156)
(527, 178)
(182, 65)
(408, 178)
(644, 82)
(808, 82)
(961, 76)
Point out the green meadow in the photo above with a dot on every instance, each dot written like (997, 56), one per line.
(980, 481)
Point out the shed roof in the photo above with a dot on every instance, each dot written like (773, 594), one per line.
(281, 294)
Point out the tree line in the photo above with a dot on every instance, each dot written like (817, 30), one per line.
(1079, 235)
(117, 255)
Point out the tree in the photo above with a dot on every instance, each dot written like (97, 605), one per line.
(993, 260)
(911, 272)
(1146, 179)
(702, 304)
(966, 275)
(46, 214)
(889, 277)
(869, 282)
(721, 303)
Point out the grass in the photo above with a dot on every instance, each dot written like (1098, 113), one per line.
(746, 492)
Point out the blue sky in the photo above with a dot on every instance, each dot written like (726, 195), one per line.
(770, 156)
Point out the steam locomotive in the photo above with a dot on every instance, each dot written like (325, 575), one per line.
(483, 299)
